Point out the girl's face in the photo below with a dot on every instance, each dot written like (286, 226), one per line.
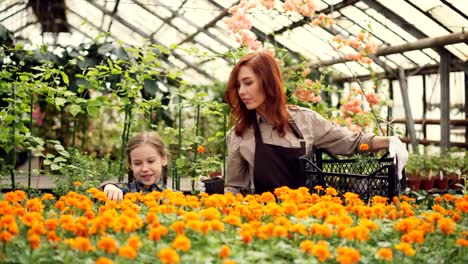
(250, 90)
(146, 164)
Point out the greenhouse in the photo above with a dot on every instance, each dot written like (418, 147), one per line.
(225, 131)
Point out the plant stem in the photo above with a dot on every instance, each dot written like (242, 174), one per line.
(13, 151)
(197, 125)
(31, 102)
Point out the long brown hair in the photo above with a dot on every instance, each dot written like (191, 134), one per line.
(267, 70)
(147, 138)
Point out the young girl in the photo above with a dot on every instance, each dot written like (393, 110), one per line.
(147, 161)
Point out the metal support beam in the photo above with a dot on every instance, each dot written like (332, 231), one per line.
(306, 20)
(169, 22)
(204, 30)
(456, 65)
(147, 36)
(466, 98)
(444, 101)
(12, 14)
(407, 106)
(436, 42)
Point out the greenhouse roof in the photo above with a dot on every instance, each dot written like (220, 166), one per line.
(198, 25)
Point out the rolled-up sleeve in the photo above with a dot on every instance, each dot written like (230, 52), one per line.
(335, 138)
(237, 176)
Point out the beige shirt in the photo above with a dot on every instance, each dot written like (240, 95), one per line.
(316, 130)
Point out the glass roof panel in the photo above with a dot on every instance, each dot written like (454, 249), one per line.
(460, 5)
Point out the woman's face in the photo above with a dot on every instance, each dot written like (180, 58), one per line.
(146, 164)
(250, 90)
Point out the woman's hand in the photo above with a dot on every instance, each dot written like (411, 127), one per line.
(113, 192)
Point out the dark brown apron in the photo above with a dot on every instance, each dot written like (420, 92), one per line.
(276, 166)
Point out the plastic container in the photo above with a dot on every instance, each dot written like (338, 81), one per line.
(367, 176)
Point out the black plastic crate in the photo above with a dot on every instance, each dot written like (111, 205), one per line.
(367, 177)
(214, 185)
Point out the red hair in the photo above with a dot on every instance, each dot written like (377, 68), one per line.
(268, 72)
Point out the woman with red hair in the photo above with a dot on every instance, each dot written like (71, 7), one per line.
(269, 136)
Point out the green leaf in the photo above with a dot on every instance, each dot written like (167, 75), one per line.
(75, 109)
(55, 167)
(65, 78)
(93, 111)
(59, 159)
(59, 101)
(180, 162)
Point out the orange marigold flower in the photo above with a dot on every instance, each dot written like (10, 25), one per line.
(168, 256)
(34, 241)
(267, 197)
(307, 246)
(364, 147)
(77, 184)
(134, 242)
(201, 149)
(347, 255)
(405, 248)
(224, 252)
(107, 244)
(48, 196)
(181, 242)
(462, 242)
(321, 251)
(5, 236)
(385, 254)
(103, 260)
(331, 191)
(229, 261)
(81, 244)
(447, 225)
(127, 252)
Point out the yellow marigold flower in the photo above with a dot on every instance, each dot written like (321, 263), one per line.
(210, 213)
(369, 224)
(77, 184)
(364, 147)
(168, 256)
(298, 228)
(107, 244)
(229, 261)
(331, 191)
(232, 220)
(447, 225)
(385, 254)
(320, 250)
(103, 260)
(224, 252)
(307, 246)
(347, 255)
(267, 197)
(318, 188)
(181, 242)
(48, 196)
(280, 231)
(217, 225)
(127, 252)
(405, 248)
(320, 229)
(462, 242)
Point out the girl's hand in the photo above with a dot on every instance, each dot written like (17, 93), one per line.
(113, 192)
